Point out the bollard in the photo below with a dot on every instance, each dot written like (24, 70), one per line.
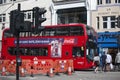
(69, 71)
(51, 72)
(3, 71)
(22, 72)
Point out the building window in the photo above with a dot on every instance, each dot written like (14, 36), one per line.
(112, 21)
(28, 16)
(104, 22)
(61, 19)
(98, 22)
(117, 1)
(71, 18)
(13, 0)
(2, 1)
(108, 22)
(99, 2)
(74, 15)
(108, 1)
(2, 18)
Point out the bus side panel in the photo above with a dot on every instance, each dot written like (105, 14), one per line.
(66, 52)
(79, 62)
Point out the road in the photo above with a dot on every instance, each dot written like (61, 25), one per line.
(78, 75)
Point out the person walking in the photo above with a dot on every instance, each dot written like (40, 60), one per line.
(108, 62)
(96, 62)
(117, 60)
(103, 61)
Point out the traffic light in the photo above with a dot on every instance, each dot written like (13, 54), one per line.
(20, 21)
(18, 24)
(118, 21)
(13, 15)
(16, 21)
(38, 18)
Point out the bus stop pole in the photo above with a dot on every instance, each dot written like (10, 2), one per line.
(17, 52)
(18, 60)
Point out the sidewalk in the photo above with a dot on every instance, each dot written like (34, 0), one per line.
(78, 75)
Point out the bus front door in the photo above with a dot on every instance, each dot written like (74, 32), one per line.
(78, 57)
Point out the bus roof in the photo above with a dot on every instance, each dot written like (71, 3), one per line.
(65, 25)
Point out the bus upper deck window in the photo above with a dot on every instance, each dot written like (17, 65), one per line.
(76, 31)
(7, 33)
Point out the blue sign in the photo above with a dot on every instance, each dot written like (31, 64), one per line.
(38, 41)
(46, 41)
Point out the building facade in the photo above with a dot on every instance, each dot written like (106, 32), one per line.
(104, 17)
(8, 5)
(72, 11)
(100, 14)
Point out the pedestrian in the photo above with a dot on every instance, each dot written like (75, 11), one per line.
(103, 61)
(108, 62)
(117, 60)
(96, 62)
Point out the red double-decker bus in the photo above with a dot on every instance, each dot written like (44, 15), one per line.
(67, 41)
